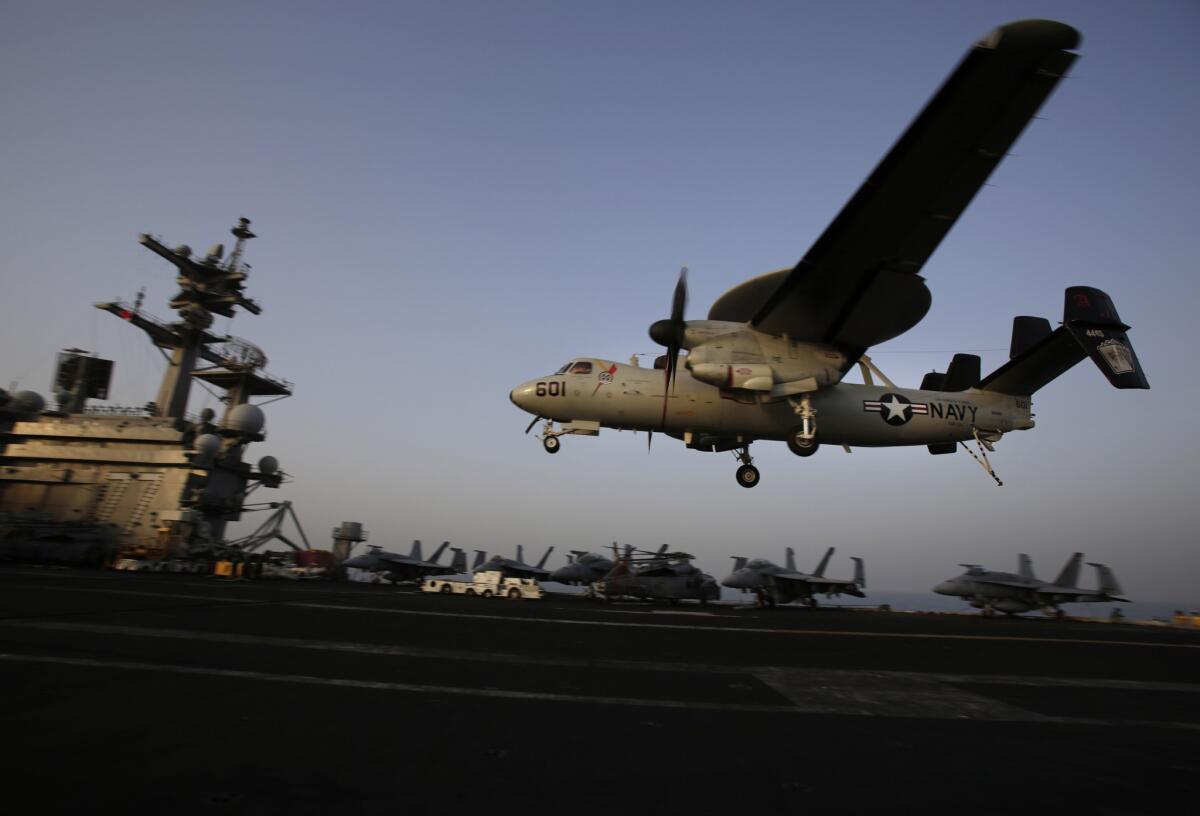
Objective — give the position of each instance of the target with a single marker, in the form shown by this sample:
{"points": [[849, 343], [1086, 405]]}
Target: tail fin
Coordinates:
{"points": [[860, 576], [459, 562], [791, 560], [542, 563], [520, 554], [739, 561], [1091, 327], [1108, 580], [415, 552], [820, 570], [480, 557], [1069, 576], [440, 550], [1025, 567]]}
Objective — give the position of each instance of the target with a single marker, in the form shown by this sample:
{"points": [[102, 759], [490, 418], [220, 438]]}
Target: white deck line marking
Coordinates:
{"points": [[165, 595], [745, 629], [838, 676], [422, 688], [808, 700]]}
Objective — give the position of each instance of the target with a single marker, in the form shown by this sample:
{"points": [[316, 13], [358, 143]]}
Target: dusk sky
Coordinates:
{"points": [[455, 197]]}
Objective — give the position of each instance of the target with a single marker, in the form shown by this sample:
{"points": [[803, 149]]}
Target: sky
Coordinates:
{"points": [[455, 197]]}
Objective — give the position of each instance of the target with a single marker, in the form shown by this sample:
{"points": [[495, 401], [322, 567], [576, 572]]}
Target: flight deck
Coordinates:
{"points": [[194, 694]]}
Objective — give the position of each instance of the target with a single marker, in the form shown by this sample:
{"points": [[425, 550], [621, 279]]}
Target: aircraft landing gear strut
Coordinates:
{"points": [[550, 437], [802, 439], [747, 474]]}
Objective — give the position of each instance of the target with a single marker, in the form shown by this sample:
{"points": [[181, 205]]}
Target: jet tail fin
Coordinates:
{"points": [[1025, 567], [1091, 328], [415, 552], [820, 570], [459, 562], [438, 553], [1107, 579], [480, 557], [542, 563], [1069, 576], [739, 561], [860, 575], [791, 559]]}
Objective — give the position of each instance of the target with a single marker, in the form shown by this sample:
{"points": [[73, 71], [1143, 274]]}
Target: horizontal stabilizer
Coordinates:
{"points": [[1090, 328]]}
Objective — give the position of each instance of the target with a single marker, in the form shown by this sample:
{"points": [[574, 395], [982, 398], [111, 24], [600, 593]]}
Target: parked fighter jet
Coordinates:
{"points": [[668, 576], [582, 568], [769, 362], [775, 584], [513, 568], [1013, 594], [412, 567]]}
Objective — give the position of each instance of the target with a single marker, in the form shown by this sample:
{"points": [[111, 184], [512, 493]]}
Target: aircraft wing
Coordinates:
{"points": [[814, 583], [859, 284]]}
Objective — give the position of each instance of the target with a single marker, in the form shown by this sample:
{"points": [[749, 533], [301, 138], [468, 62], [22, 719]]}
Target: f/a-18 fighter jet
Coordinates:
{"points": [[582, 568], [514, 568], [769, 361], [775, 584], [1012, 594], [412, 567]]}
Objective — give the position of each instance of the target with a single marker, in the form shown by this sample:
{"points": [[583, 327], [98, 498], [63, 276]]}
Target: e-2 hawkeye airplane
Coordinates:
{"points": [[769, 361]]}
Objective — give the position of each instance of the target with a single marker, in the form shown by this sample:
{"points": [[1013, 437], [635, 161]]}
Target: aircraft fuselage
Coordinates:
{"points": [[627, 397]]}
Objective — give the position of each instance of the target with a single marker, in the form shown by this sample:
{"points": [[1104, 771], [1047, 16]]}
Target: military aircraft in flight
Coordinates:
{"points": [[412, 567], [1012, 594], [513, 568], [769, 361], [582, 567], [775, 584]]}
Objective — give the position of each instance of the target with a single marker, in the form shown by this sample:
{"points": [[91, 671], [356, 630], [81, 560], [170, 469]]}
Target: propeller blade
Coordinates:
{"points": [[531, 424], [670, 333]]}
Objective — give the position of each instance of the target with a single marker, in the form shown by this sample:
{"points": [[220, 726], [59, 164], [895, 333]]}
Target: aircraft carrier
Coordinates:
{"points": [[182, 693]]}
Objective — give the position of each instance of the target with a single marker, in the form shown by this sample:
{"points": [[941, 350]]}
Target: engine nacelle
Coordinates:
{"points": [[750, 376]]}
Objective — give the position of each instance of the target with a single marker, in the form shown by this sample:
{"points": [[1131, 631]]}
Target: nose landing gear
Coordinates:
{"points": [[747, 474]]}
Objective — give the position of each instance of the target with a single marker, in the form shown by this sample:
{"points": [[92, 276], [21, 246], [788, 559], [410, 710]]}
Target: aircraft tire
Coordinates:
{"points": [[797, 445], [551, 444], [747, 476]]}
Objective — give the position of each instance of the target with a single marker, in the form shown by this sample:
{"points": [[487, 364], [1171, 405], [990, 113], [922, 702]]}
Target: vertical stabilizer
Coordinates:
{"points": [[860, 575], [438, 553], [739, 561], [791, 560], [480, 557], [1107, 579], [459, 562], [1025, 567], [520, 553], [415, 552], [820, 570], [542, 563], [1069, 576]]}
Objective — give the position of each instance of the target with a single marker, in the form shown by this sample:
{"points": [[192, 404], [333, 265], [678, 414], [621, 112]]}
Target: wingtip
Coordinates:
{"points": [[1032, 35]]}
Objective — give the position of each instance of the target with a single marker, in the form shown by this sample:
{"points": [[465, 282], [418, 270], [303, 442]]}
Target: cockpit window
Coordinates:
{"points": [[563, 370], [582, 367]]}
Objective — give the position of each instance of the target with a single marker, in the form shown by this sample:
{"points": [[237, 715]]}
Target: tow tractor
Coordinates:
{"points": [[486, 584]]}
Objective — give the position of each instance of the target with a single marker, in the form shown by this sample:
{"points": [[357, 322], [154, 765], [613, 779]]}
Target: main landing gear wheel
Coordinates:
{"points": [[800, 446], [747, 475], [551, 444]]}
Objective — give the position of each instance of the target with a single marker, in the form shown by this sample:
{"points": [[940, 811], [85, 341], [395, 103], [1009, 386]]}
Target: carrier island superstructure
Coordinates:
{"points": [[83, 483]]}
